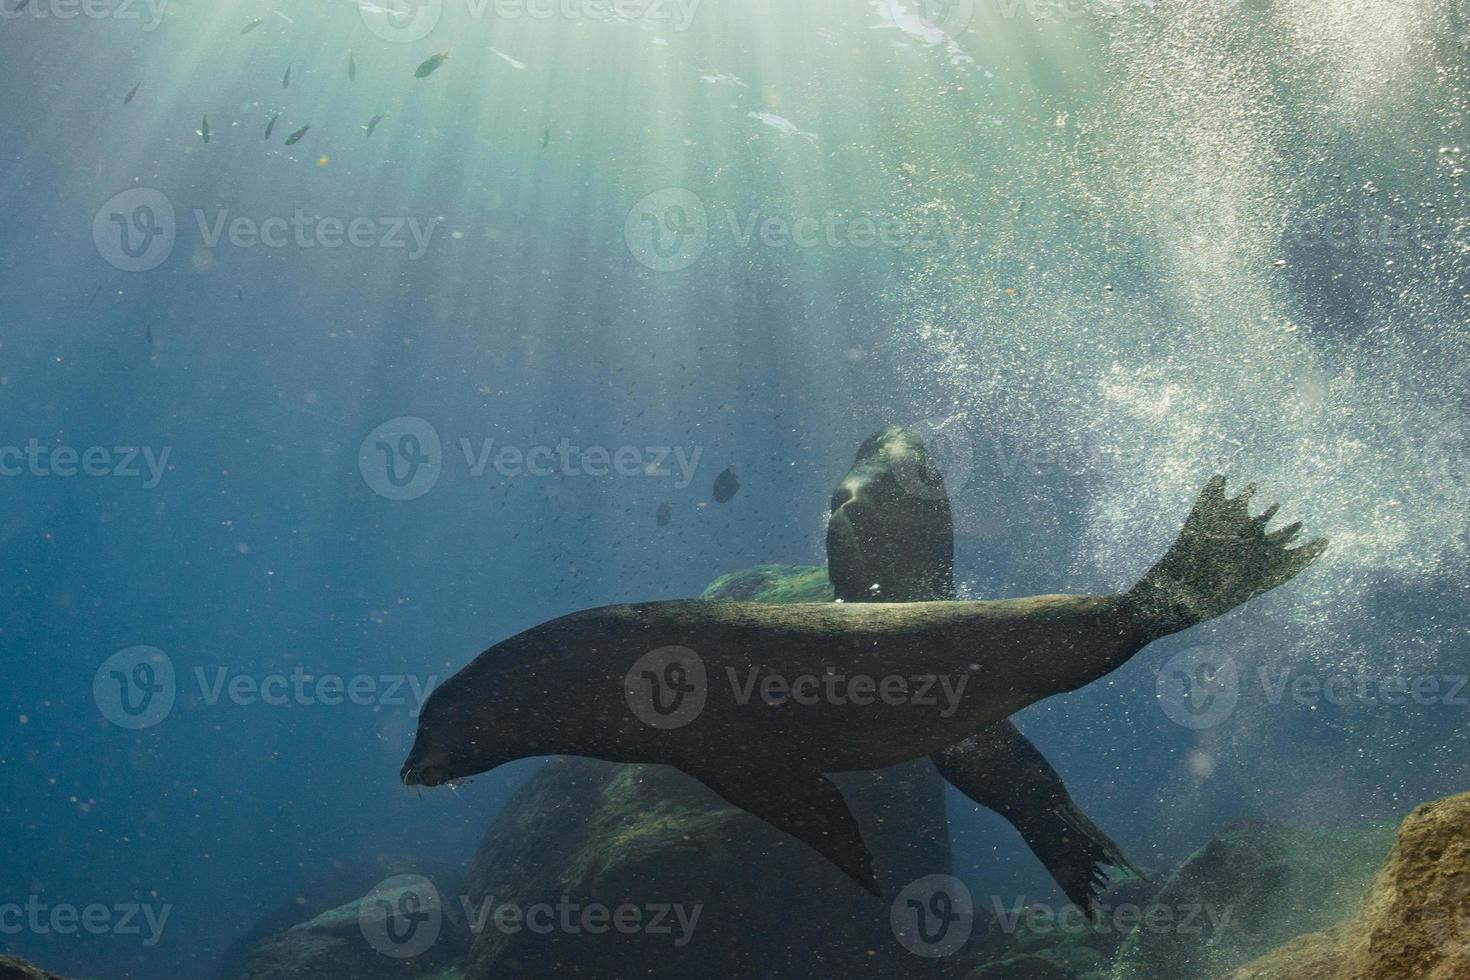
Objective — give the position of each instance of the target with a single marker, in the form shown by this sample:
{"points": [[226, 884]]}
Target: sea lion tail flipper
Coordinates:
{"points": [[1076, 852], [806, 805], [1222, 558], [1001, 769]]}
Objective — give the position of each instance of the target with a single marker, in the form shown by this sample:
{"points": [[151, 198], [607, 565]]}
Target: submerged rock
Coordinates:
{"points": [[1414, 923], [1023, 968], [336, 944], [643, 838], [342, 882], [14, 968], [1248, 890], [773, 583]]}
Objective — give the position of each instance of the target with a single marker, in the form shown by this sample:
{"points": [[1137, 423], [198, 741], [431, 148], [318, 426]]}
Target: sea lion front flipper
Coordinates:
{"points": [[806, 805], [999, 768]]}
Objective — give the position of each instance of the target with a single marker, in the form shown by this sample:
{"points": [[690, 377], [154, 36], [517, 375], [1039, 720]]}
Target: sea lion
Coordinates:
{"points": [[890, 538], [685, 684]]}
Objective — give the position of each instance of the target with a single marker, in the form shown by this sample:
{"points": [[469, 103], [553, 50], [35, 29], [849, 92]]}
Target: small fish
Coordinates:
{"points": [[127, 99], [727, 485], [432, 65], [286, 81], [722, 78], [373, 122], [250, 26], [240, 294], [351, 67], [203, 130], [295, 137], [270, 127], [517, 65], [545, 137], [665, 515], [782, 125], [91, 299], [148, 335]]}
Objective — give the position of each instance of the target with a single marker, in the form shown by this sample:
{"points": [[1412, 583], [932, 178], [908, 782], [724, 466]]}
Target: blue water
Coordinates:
{"points": [[1131, 288]]}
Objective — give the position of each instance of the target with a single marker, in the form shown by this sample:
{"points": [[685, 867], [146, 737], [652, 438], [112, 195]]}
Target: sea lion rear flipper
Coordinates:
{"points": [[806, 805], [999, 768], [1224, 556]]}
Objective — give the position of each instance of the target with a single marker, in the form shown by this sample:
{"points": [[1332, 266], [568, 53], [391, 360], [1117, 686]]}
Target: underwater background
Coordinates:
{"points": [[1094, 253]]}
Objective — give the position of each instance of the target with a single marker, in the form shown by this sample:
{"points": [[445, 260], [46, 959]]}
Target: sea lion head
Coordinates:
{"points": [[891, 535], [457, 737]]}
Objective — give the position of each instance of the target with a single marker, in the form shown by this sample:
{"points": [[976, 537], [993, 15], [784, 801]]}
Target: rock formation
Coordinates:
{"points": [[1414, 923]]}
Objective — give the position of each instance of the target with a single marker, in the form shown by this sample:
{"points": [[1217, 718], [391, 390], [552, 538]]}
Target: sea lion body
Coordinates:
{"points": [[949, 669], [891, 539], [576, 685]]}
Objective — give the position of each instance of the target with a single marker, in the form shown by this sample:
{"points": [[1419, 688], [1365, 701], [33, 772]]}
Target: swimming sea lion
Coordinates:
{"points": [[891, 539], [861, 686]]}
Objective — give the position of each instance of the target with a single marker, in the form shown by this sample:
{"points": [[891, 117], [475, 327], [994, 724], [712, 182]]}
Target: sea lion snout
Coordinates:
{"points": [[423, 769], [417, 776]]}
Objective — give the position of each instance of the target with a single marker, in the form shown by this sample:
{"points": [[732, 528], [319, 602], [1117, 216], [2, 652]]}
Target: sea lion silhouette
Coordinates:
{"points": [[691, 684], [888, 543]]}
